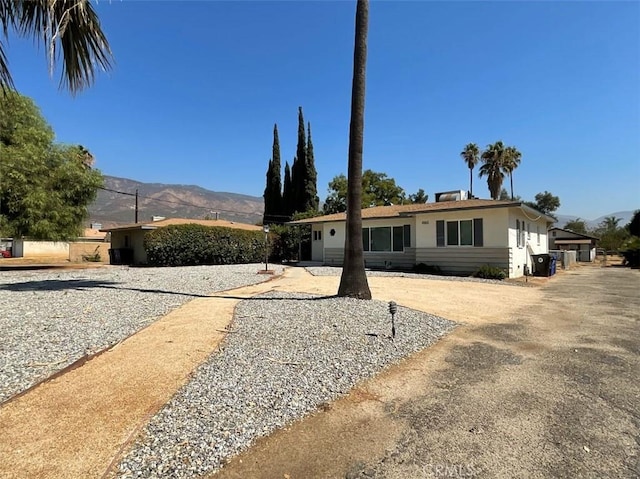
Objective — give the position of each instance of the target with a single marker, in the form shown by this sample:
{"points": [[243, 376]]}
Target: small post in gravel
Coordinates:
{"points": [[393, 309], [265, 228]]}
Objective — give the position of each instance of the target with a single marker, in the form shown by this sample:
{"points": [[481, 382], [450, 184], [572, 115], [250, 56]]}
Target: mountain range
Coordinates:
{"points": [[625, 218], [115, 203]]}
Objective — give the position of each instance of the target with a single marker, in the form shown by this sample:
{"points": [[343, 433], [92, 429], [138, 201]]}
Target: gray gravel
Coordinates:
{"points": [[287, 354], [337, 271], [48, 320]]}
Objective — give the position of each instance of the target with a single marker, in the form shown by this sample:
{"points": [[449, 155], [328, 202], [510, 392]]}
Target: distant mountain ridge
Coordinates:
{"points": [[172, 201], [591, 224]]}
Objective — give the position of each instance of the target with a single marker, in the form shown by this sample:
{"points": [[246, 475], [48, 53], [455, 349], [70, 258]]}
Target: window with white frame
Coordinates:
{"points": [[386, 238], [518, 240], [317, 235]]}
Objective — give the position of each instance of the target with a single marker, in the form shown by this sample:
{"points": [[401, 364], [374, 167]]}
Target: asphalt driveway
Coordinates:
{"points": [[551, 391]]}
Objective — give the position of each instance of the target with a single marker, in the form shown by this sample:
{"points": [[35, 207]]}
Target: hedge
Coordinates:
{"points": [[191, 244]]}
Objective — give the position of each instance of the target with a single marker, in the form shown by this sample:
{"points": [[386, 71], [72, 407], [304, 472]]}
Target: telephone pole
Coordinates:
{"points": [[136, 215]]}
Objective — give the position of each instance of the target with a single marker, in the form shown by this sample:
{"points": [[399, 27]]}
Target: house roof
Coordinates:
{"points": [[93, 234], [152, 225], [555, 228], [396, 211]]}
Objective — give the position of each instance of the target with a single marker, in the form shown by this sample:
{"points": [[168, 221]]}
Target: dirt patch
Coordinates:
{"points": [[488, 401]]}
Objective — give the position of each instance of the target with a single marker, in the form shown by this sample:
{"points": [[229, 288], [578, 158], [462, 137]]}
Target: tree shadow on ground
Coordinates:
{"points": [[87, 284]]}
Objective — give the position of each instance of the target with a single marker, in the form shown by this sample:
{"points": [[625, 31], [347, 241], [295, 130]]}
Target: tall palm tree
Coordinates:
{"points": [[512, 158], [492, 168], [70, 27], [353, 282], [471, 155]]}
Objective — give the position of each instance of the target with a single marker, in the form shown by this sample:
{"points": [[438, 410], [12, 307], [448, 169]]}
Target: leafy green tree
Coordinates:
{"points": [[70, 26], [577, 226], [471, 156], [273, 191], [418, 197], [377, 190], [493, 165], [612, 236], [511, 161], [353, 282], [45, 188], [545, 203]]}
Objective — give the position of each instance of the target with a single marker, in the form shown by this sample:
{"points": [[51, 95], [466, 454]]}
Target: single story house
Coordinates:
{"points": [[127, 242], [566, 240], [457, 236]]}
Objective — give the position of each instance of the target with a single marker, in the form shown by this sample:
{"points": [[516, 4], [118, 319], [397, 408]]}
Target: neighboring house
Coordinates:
{"points": [[457, 236], [127, 242], [567, 240]]}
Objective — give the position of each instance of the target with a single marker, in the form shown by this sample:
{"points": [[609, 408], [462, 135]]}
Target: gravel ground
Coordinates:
{"points": [[337, 271], [287, 354], [48, 320]]}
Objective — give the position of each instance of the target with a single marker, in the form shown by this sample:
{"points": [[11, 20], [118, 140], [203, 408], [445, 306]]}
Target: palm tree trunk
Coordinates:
{"points": [[511, 181], [471, 182], [353, 282]]}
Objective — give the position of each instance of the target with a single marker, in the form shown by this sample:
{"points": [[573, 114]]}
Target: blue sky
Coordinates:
{"points": [[197, 87]]}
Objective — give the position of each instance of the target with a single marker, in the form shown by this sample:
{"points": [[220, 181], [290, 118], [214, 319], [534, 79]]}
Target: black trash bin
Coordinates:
{"points": [[541, 264], [121, 256]]}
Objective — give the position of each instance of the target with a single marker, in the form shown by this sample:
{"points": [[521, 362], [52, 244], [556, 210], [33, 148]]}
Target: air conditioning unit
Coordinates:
{"points": [[455, 195]]}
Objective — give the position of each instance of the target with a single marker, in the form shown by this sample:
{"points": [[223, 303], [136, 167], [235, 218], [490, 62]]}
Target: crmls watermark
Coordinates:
{"points": [[451, 470]]}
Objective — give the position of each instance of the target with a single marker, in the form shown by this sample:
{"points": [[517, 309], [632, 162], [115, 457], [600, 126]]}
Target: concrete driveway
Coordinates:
{"points": [[549, 390]]}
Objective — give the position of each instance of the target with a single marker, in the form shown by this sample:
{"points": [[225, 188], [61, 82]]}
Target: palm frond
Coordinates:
{"points": [[72, 26]]}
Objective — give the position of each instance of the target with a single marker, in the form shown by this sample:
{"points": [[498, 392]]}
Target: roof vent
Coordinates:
{"points": [[455, 195]]}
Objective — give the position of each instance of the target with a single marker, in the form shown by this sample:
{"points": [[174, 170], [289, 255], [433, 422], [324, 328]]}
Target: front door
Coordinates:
{"points": [[317, 244]]}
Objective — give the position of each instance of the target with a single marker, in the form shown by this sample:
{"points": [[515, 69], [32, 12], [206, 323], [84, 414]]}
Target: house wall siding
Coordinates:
{"points": [[464, 260], [397, 260]]}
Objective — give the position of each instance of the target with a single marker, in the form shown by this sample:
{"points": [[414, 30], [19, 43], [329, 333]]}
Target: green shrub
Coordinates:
{"points": [[191, 244], [422, 268], [287, 240], [490, 272], [631, 252]]}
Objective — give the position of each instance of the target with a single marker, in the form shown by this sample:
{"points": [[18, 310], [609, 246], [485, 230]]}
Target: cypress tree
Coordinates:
{"points": [[273, 189], [287, 198], [299, 166], [310, 191]]}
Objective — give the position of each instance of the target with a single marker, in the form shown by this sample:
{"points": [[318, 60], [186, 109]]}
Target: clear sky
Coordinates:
{"points": [[197, 87]]}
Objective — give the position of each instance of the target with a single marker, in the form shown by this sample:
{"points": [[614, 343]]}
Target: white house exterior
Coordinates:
{"points": [[457, 236]]}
